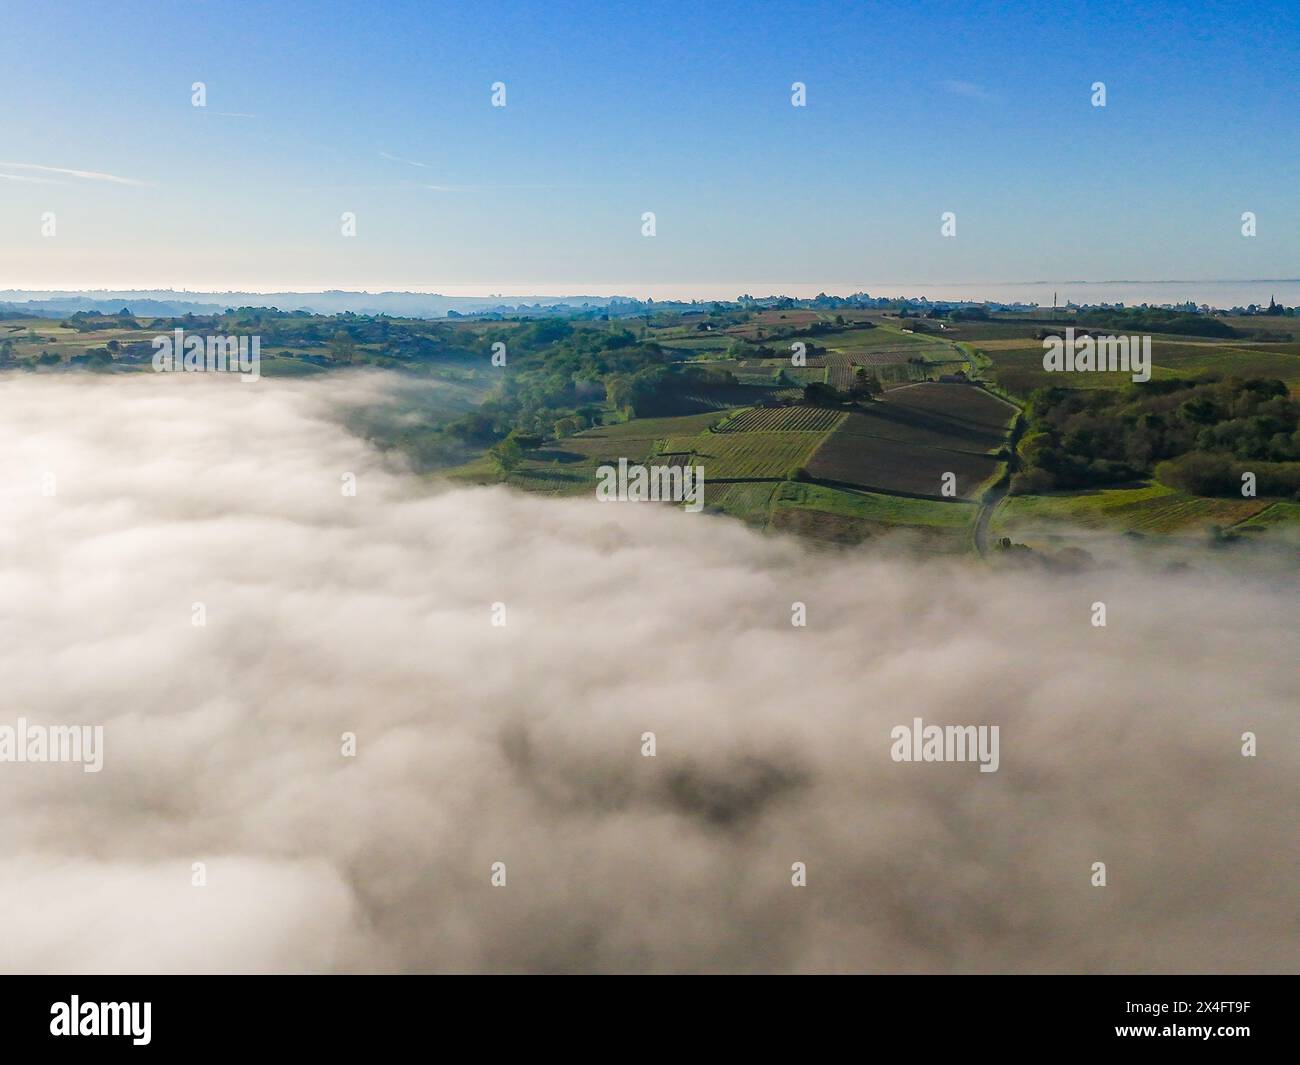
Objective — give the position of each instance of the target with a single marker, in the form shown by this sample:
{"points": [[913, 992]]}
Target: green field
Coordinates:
{"points": [[1150, 509], [840, 516], [1019, 369], [750, 501], [760, 455], [1283, 512]]}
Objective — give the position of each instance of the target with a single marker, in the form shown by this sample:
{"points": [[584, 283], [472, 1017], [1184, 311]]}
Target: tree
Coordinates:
{"points": [[618, 390], [526, 441], [865, 385], [342, 347], [820, 394], [507, 455], [473, 428]]}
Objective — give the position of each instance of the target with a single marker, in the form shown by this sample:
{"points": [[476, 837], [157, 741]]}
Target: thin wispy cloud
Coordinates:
{"points": [[84, 175], [408, 162], [968, 89], [30, 180]]}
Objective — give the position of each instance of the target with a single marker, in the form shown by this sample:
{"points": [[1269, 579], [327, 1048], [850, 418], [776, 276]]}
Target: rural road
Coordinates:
{"points": [[991, 499]]}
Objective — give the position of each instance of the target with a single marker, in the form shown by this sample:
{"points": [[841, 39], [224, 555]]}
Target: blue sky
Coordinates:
{"points": [[617, 109]]}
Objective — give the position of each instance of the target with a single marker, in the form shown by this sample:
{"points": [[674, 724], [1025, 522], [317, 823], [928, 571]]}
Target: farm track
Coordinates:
{"points": [[994, 496]]}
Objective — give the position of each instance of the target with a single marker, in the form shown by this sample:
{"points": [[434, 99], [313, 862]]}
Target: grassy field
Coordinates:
{"points": [[877, 507], [879, 339], [821, 513], [750, 501], [1283, 512], [634, 440], [1151, 509], [1018, 366], [1188, 359]]}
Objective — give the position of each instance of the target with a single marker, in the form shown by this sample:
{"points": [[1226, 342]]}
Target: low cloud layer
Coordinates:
{"points": [[521, 744]]}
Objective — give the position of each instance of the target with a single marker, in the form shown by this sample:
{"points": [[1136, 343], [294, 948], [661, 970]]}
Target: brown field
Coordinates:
{"points": [[766, 322], [885, 465], [908, 441], [895, 421], [962, 406], [988, 333]]}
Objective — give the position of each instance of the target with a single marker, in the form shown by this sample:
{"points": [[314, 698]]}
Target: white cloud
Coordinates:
{"points": [[30, 180], [521, 744], [84, 175]]}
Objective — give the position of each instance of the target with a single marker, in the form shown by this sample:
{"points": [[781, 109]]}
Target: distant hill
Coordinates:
{"points": [[167, 302]]}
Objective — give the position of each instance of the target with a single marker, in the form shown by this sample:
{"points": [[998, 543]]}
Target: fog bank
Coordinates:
{"points": [[521, 743]]}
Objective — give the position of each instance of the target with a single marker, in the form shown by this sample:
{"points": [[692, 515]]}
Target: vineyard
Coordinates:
{"points": [[782, 420], [737, 456], [751, 501], [911, 439], [958, 405], [917, 457], [840, 371]]}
